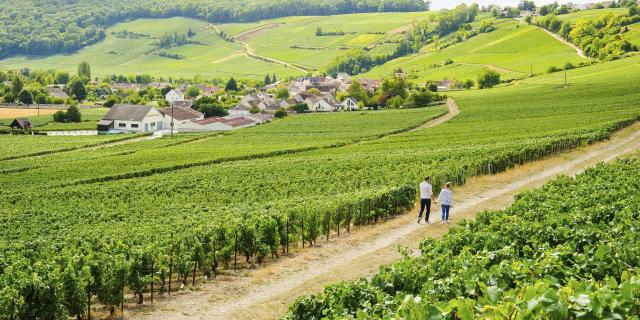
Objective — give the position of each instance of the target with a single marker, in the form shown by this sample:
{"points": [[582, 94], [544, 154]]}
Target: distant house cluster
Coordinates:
{"points": [[125, 118]]}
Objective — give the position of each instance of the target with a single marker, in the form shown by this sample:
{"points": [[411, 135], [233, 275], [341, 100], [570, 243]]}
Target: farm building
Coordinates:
{"points": [[21, 124], [57, 92], [219, 124], [132, 118], [180, 116]]}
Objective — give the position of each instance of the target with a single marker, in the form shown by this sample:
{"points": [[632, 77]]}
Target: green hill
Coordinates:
{"points": [[513, 49]]}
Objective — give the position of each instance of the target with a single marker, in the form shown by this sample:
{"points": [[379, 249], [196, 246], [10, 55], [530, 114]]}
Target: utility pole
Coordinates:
{"points": [[172, 115]]}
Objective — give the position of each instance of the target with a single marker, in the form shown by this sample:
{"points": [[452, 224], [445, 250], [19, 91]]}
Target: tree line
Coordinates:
{"points": [[49, 27]]}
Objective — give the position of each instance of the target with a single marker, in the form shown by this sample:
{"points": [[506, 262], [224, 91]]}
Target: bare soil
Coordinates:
{"points": [[266, 292], [7, 113]]}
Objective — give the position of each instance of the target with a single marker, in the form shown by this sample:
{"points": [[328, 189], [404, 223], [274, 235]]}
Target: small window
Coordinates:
{"points": [[134, 125], [122, 125], [153, 124]]}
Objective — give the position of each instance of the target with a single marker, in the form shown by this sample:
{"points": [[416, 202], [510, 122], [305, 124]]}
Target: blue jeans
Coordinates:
{"points": [[445, 212]]}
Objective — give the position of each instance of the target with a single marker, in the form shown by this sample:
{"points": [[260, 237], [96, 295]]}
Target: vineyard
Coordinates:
{"points": [[293, 134], [568, 250], [142, 219]]}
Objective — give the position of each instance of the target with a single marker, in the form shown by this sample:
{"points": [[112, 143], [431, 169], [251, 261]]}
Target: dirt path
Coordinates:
{"points": [[454, 110], [559, 38], [265, 293]]}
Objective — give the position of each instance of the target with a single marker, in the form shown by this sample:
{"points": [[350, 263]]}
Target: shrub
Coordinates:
{"points": [[488, 79], [281, 113]]}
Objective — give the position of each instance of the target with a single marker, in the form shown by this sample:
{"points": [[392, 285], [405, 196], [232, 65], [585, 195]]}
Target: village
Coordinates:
{"points": [[312, 94]]}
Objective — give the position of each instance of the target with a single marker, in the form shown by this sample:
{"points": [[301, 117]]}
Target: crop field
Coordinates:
{"points": [[513, 49], [134, 228], [10, 113], [208, 56], [563, 251], [288, 135]]}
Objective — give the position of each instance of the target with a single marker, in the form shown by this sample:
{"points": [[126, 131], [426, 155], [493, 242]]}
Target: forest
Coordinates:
{"points": [[46, 27]]}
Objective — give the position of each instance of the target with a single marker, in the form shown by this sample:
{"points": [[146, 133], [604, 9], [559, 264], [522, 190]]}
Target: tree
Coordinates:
{"points": [[267, 80], [319, 32], [526, 5], [633, 10], [61, 77], [528, 19], [281, 113], [488, 79], [84, 70], [421, 98], [190, 33], [468, 84], [77, 89], [357, 92], [25, 96], [111, 100], [232, 85], [213, 110], [273, 78], [16, 85], [282, 93], [300, 108], [192, 92], [73, 114]]}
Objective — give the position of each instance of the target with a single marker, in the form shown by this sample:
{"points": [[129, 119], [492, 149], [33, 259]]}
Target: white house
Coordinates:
{"points": [[319, 105], [174, 96], [180, 116], [349, 104], [132, 118]]}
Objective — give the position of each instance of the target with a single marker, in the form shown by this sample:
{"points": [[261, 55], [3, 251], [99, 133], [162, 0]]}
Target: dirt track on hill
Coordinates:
{"points": [[265, 293]]}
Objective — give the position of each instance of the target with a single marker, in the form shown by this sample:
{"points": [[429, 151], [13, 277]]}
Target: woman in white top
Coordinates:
{"points": [[446, 200]]}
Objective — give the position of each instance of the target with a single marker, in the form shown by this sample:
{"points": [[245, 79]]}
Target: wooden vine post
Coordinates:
{"points": [[235, 252]]}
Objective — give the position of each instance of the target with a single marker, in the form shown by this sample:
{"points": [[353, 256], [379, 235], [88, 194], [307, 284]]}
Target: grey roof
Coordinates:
{"points": [[128, 112]]}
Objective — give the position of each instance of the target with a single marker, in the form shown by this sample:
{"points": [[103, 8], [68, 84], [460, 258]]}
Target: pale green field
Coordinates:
{"points": [[513, 49], [634, 34], [590, 14], [273, 38], [213, 58]]}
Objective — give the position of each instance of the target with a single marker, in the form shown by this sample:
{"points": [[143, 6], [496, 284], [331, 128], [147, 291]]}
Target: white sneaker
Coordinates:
{"points": [[418, 220], [442, 221], [447, 221], [427, 222]]}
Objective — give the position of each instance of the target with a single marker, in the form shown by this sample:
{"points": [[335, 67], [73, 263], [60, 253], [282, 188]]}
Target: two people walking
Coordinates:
{"points": [[426, 194]]}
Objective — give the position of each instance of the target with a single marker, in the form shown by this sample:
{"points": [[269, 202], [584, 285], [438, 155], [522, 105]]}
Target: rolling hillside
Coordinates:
{"points": [[513, 49], [210, 56]]}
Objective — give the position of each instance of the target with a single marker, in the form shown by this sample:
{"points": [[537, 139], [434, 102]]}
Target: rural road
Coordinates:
{"points": [[266, 292]]}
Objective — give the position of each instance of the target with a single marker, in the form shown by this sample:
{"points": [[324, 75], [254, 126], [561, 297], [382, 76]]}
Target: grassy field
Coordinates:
{"points": [[634, 34], [210, 57], [275, 38], [513, 49], [590, 14]]}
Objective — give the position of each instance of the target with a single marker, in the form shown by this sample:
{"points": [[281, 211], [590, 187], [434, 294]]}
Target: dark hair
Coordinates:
{"points": [[427, 178]]}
